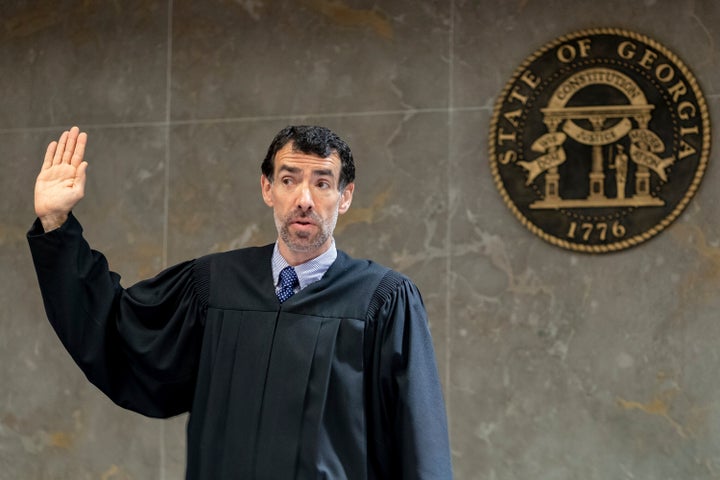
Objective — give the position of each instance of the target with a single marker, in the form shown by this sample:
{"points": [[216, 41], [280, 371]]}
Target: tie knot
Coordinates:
{"points": [[288, 282]]}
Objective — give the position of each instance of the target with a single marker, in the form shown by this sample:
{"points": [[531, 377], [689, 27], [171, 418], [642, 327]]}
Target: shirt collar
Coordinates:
{"points": [[308, 272]]}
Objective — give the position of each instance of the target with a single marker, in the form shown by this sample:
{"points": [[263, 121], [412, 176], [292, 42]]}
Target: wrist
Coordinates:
{"points": [[52, 222]]}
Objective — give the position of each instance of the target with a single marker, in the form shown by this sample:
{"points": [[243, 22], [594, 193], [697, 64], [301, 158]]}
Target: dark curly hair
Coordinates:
{"points": [[312, 139]]}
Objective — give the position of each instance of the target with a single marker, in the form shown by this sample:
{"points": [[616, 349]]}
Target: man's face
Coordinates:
{"points": [[306, 202]]}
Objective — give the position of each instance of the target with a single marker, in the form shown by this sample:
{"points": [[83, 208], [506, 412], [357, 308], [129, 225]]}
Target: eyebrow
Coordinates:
{"points": [[289, 169], [320, 172]]}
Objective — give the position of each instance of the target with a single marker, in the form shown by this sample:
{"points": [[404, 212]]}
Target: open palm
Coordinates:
{"points": [[60, 185]]}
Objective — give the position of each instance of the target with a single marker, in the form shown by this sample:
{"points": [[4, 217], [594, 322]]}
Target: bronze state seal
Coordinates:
{"points": [[599, 140]]}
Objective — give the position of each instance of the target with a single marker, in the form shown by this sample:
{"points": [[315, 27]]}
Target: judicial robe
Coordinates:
{"points": [[337, 382]]}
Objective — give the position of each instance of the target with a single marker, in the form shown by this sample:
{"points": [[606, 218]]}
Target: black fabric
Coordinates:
{"points": [[339, 381]]}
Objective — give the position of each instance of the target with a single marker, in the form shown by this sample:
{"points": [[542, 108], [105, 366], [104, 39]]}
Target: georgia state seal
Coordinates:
{"points": [[599, 140]]}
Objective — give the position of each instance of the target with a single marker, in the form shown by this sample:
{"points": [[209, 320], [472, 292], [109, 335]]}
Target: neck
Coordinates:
{"points": [[295, 258]]}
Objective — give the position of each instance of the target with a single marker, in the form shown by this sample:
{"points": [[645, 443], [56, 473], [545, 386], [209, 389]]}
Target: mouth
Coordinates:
{"points": [[303, 223], [303, 220]]}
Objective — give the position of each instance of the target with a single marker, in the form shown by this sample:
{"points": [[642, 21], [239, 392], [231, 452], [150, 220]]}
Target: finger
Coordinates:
{"points": [[70, 145], [49, 154], [57, 158], [79, 152]]}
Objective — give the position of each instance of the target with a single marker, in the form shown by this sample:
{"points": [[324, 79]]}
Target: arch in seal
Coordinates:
{"points": [[557, 116]]}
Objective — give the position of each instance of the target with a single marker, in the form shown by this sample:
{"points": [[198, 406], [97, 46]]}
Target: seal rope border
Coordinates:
{"points": [[690, 192]]}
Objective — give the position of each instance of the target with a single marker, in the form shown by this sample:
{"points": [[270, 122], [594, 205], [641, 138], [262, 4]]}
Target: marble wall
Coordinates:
{"points": [[555, 365]]}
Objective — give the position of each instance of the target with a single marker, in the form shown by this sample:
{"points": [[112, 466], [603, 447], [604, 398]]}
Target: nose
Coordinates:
{"points": [[305, 199]]}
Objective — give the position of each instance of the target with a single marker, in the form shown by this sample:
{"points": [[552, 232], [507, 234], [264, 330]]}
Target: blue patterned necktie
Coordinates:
{"points": [[288, 282]]}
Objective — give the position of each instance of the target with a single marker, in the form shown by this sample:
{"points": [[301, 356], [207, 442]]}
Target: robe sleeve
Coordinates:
{"points": [[409, 427], [139, 346]]}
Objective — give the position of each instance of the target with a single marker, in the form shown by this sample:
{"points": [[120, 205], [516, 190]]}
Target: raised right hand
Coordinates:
{"points": [[60, 185]]}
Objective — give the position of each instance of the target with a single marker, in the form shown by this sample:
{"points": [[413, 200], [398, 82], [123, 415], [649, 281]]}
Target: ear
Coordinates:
{"points": [[346, 198], [266, 187]]}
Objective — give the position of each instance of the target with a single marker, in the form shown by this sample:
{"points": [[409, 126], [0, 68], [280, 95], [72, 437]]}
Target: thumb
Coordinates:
{"points": [[80, 177]]}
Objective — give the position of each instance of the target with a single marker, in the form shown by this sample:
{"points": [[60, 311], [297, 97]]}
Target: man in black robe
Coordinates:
{"points": [[294, 360]]}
